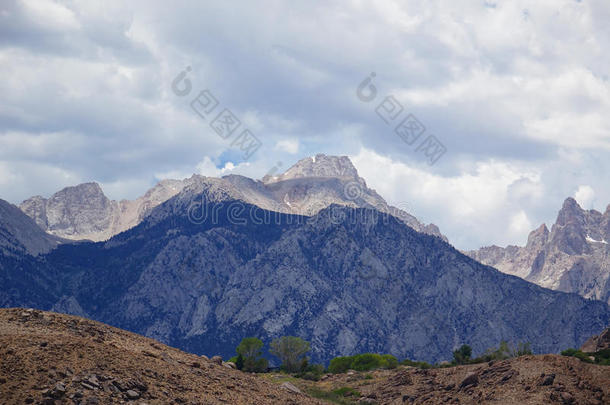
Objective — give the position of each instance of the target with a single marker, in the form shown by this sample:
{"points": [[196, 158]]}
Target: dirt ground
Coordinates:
{"points": [[48, 358]]}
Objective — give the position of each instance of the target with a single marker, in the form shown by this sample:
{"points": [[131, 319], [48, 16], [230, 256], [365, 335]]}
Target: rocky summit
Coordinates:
{"points": [[312, 184], [574, 256], [84, 212]]}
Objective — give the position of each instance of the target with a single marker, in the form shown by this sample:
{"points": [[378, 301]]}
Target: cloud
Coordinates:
{"points": [[585, 196], [208, 168], [288, 145], [517, 92], [463, 204]]}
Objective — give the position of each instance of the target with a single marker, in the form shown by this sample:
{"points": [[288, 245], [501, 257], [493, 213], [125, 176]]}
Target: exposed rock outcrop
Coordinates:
{"points": [[573, 257], [597, 342], [84, 212]]}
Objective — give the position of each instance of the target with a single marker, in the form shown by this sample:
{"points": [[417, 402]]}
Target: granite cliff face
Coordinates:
{"points": [[19, 234], [312, 184], [573, 257], [84, 212], [349, 280]]}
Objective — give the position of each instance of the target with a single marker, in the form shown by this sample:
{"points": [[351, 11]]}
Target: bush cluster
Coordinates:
{"points": [[602, 357], [311, 372], [362, 362], [418, 364], [504, 351], [291, 351]]}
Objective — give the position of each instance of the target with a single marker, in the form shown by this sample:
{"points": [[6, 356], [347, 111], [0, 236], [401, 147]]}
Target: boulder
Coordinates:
{"points": [[217, 360], [290, 387], [131, 394], [471, 379], [547, 379], [58, 391], [597, 342]]}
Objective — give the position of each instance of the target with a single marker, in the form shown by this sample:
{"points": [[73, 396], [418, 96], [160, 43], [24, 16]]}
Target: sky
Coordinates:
{"points": [[516, 94]]}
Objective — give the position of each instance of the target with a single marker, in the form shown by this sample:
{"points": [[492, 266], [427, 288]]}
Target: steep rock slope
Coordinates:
{"points": [[20, 235], [597, 342], [51, 358], [312, 184], [348, 280], [573, 257]]}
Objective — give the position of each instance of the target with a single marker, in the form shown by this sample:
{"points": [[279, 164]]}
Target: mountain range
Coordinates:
{"points": [[209, 266], [573, 257], [313, 183]]}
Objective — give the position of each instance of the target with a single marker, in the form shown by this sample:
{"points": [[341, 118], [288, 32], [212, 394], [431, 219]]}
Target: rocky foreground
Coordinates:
{"points": [[542, 379], [48, 358]]}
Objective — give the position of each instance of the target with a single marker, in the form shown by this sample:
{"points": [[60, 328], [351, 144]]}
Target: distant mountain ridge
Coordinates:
{"points": [[348, 280], [574, 256], [84, 212], [325, 258], [312, 184]]}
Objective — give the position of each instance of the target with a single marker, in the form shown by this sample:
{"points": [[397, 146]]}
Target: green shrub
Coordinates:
{"points": [[362, 362], [601, 357], [390, 361], [239, 362], [312, 372], [340, 364], [328, 396], [346, 392], [523, 349], [260, 365], [418, 364], [309, 376], [504, 351], [462, 355], [578, 354], [317, 368], [367, 361]]}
